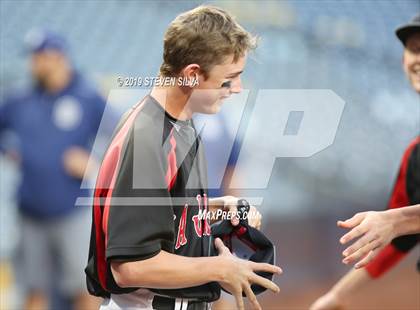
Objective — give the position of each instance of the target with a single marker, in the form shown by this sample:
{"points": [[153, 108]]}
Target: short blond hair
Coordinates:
{"points": [[205, 35]]}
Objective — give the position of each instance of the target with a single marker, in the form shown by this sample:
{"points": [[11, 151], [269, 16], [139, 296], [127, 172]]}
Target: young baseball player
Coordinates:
{"points": [[406, 192], [149, 246]]}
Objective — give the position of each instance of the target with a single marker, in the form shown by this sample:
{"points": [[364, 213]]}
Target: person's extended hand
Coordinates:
{"points": [[231, 205], [239, 274], [375, 230]]}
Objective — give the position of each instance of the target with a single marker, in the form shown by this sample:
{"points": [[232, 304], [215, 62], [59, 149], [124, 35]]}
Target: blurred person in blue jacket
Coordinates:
{"points": [[56, 122]]}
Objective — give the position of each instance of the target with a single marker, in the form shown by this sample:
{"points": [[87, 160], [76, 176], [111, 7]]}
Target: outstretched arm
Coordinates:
{"points": [[233, 274], [335, 298], [375, 230]]}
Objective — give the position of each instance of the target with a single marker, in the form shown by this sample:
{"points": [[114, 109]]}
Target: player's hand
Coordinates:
{"points": [[254, 219], [75, 161], [374, 231], [239, 274], [231, 205], [328, 301]]}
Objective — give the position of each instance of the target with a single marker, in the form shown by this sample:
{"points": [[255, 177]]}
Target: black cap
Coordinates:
{"points": [[245, 242], [403, 32]]}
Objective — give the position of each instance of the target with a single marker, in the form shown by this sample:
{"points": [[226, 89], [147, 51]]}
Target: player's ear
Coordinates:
{"points": [[191, 72]]}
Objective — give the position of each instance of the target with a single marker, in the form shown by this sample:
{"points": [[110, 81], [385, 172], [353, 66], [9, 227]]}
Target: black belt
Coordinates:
{"points": [[164, 303]]}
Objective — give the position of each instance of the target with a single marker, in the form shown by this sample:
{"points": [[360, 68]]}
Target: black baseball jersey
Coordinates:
{"points": [[149, 195]]}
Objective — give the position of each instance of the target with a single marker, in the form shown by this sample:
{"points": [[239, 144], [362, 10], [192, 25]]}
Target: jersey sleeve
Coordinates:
{"points": [[405, 193], [413, 175], [140, 219]]}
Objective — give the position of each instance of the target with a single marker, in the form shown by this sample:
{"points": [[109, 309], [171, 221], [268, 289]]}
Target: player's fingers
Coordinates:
{"points": [[354, 233], [368, 258], [352, 222], [254, 218], [265, 267], [359, 254], [357, 245], [239, 300], [258, 225], [251, 297], [254, 221], [233, 212], [264, 282], [234, 220], [220, 247]]}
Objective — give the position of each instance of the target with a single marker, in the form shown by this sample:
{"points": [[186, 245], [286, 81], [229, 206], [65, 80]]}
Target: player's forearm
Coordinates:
{"points": [[168, 271], [407, 220], [350, 282]]}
